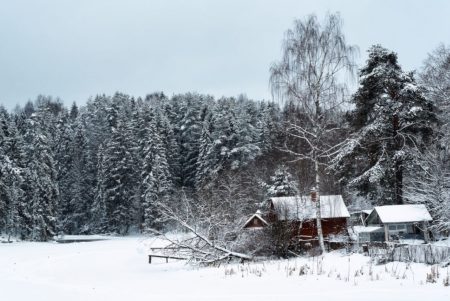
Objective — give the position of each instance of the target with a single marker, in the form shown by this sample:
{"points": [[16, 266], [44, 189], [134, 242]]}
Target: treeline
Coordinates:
{"points": [[103, 167]]}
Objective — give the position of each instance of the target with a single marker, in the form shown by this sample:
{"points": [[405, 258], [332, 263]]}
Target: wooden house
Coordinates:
{"points": [[300, 212], [397, 221]]}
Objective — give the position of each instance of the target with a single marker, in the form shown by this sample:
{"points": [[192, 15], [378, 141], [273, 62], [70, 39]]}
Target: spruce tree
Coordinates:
{"points": [[282, 183], [206, 160], [188, 137], [156, 176], [42, 192], [98, 211]]}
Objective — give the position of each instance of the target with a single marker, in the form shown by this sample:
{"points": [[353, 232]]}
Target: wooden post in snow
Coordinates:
{"points": [[426, 234], [386, 232]]}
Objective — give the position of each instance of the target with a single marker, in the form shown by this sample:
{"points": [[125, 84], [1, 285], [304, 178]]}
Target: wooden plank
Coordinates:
{"points": [[68, 241], [167, 248], [164, 256]]}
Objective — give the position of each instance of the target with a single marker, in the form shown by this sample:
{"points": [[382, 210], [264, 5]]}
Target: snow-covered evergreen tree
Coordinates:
{"points": [[77, 198], [98, 211], [269, 124], [6, 168], [156, 176], [189, 135], [206, 160], [248, 144], [282, 183], [392, 120], [40, 183], [118, 170], [117, 181]]}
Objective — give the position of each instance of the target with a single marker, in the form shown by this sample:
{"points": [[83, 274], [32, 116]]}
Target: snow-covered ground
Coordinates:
{"points": [[117, 269]]}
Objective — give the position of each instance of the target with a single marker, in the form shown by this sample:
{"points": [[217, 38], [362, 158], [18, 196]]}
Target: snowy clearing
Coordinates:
{"points": [[117, 269]]}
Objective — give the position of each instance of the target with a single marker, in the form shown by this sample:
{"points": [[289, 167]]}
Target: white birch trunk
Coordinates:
{"points": [[318, 212]]}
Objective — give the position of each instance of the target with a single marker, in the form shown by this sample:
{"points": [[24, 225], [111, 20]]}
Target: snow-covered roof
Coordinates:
{"points": [[403, 213], [302, 208], [361, 229], [361, 211], [258, 216]]}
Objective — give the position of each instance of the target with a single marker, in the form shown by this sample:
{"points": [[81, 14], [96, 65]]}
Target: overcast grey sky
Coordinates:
{"points": [[79, 48]]}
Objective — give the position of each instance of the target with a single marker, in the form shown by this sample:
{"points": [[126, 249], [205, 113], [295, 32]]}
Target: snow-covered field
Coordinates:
{"points": [[117, 269]]}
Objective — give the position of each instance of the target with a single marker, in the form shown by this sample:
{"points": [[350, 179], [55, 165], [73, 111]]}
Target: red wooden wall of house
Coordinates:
{"points": [[308, 229]]}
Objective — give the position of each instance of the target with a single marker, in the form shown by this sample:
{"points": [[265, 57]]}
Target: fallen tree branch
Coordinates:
{"points": [[198, 247]]}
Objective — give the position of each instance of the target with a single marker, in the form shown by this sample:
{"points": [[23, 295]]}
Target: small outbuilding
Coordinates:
{"points": [[358, 217], [256, 221], [401, 221], [363, 234]]}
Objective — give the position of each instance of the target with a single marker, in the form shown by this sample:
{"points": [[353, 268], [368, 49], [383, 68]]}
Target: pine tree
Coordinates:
{"points": [[392, 119]]}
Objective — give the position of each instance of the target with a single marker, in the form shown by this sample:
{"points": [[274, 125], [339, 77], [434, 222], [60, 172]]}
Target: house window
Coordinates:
{"points": [[400, 228], [364, 237]]}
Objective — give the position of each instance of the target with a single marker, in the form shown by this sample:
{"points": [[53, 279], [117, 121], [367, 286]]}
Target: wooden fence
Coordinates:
{"points": [[429, 254]]}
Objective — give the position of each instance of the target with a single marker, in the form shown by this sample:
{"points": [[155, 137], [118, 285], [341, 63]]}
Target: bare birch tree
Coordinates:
{"points": [[312, 75], [435, 76], [430, 185]]}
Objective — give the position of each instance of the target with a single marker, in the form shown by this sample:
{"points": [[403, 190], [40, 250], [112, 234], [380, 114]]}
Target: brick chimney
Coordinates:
{"points": [[313, 194]]}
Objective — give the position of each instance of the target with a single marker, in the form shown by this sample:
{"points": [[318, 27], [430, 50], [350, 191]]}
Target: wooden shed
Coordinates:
{"points": [[256, 221], [401, 221]]}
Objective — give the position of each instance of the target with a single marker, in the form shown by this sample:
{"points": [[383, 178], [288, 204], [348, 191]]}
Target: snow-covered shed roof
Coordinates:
{"points": [[302, 208], [368, 229], [258, 216], [359, 211], [367, 211], [402, 213]]}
